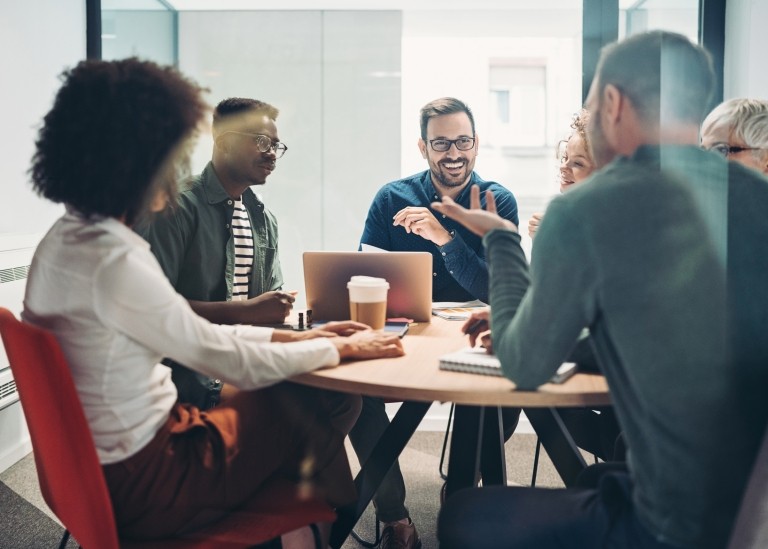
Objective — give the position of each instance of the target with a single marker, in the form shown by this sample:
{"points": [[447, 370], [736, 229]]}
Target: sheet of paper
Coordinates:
{"points": [[453, 310], [369, 248], [475, 304]]}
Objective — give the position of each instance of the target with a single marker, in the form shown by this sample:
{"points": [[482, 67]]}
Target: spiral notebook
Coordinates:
{"points": [[475, 360]]}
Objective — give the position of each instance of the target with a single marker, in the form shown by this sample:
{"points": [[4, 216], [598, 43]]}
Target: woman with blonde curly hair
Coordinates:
{"points": [[576, 163]]}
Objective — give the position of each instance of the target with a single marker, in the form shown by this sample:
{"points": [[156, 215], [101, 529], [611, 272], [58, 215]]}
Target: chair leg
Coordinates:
{"points": [[443, 475], [366, 543], [64, 539], [316, 536], [272, 544], [536, 462]]}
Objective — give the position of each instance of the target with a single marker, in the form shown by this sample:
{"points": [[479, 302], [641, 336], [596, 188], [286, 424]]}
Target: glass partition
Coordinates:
{"points": [[138, 28], [349, 84], [636, 16]]}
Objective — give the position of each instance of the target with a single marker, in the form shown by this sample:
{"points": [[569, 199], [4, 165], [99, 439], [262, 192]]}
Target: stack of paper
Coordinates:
{"points": [[454, 310]]}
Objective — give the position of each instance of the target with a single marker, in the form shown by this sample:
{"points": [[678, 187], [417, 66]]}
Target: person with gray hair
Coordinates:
{"points": [[738, 130], [658, 254]]}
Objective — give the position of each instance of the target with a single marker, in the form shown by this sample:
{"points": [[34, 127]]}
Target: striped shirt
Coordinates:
{"points": [[241, 230]]}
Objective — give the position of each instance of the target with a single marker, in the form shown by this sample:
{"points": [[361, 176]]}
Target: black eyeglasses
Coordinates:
{"points": [[264, 143], [726, 150], [442, 145]]}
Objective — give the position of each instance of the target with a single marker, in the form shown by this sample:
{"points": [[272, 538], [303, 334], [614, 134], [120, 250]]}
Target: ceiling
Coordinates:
{"points": [[248, 5], [406, 5]]}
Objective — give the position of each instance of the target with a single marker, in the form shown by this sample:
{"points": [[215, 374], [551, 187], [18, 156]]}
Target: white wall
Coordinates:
{"points": [[37, 41], [746, 48]]}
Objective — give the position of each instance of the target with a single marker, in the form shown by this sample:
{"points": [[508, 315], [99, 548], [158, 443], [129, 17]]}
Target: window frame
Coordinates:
{"points": [[600, 26]]}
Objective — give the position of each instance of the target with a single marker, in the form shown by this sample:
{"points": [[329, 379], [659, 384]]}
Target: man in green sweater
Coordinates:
{"points": [[661, 254]]}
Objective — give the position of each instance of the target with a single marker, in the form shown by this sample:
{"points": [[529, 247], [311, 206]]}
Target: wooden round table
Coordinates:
{"points": [[477, 446], [416, 376]]}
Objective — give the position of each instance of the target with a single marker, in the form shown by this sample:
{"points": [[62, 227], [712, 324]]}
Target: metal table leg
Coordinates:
{"points": [[372, 472]]}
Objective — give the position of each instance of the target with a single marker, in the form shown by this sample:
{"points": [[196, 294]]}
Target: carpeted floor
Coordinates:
{"points": [[419, 463], [25, 522], [24, 526]]}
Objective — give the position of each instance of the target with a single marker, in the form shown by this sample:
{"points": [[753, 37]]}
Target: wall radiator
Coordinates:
{"points": [[15, 256]]}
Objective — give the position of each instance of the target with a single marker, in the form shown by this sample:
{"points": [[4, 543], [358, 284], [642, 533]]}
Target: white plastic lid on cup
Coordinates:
{"points": [[367, 289]]}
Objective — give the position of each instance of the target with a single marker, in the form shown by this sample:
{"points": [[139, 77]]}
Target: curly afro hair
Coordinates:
{"points": [[104, 147]]}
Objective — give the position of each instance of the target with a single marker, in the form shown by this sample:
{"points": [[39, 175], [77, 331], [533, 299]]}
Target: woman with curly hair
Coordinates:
{"points": [[111, 150], [576, 163]]}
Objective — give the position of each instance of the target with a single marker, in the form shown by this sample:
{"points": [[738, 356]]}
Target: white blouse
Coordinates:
{"points": [[99, 289]]}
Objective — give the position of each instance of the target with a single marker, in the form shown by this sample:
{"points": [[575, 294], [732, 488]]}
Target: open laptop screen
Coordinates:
{"points": [[409, 275]]}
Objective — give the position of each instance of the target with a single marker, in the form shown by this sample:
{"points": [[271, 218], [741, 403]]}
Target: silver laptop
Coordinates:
{"points": [[409, 275]]}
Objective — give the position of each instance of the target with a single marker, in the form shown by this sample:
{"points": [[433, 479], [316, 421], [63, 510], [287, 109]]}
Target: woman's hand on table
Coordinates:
{"points": [[336, 328], [478, 326], [369, 344], [330, 329], [352, 339]]}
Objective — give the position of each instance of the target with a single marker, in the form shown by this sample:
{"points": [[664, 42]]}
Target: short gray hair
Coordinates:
{"points": [[664, 75], [746, 120]]}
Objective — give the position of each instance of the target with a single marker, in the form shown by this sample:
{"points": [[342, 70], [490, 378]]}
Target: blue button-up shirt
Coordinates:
{"points": [[459, 268]]}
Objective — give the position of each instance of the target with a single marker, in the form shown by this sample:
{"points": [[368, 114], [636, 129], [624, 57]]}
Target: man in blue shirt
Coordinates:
{"points": [[400, 219]]}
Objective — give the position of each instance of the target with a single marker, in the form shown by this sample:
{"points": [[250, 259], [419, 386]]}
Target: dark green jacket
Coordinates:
{"points": [[195, 246]]}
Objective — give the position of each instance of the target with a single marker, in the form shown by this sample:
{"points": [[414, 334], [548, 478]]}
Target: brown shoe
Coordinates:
{"points": [[397, 535]]}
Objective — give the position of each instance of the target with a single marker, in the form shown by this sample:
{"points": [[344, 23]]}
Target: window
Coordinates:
{"points": [[138, 28], [518, 103], [636, 16], [352, 121]]}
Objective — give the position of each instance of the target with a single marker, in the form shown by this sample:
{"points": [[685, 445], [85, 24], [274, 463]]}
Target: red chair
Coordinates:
{"points": [[750, 530], [70, 476]]}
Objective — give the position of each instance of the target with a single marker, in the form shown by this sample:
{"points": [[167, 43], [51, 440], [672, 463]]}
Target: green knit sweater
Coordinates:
{"points": [[638, 254]]}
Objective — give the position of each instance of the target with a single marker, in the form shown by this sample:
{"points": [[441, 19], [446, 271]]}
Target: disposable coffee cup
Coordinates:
{"points": [[368, 300]]}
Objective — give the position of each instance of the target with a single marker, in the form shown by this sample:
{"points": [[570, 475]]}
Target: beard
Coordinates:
{"points": [[442, 178], [444, 181], [602, 152]]}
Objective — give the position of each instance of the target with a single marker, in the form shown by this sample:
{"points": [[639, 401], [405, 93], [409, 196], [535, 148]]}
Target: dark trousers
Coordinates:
{"points": [[501, 517], [389, 499], [595, 430], [201, 465]]}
